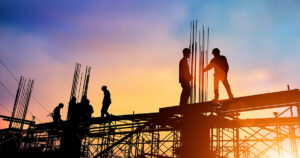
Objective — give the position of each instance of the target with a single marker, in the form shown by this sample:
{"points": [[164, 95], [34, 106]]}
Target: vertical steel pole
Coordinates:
{"points": [[202, 61], [192, 62], [293, 137], [28, 95], [190, 47], [195, 65], [200, 70], [16, 102], [78, 98], [207, 49]]}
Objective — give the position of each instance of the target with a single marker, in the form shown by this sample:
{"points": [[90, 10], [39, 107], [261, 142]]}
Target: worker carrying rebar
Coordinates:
{"points": [[56, 113], [221, 67], [106, 101], [185, 76]]}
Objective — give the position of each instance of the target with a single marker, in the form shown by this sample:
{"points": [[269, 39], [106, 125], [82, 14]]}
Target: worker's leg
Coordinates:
{"points": [[185, 94], [182, 96], [186, 89], [102, 111], [107, 114], [227, 87], [216, 88], [55, 120]]}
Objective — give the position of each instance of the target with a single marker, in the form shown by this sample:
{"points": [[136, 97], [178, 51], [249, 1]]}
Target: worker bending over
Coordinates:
{"points": [[56, 113]]}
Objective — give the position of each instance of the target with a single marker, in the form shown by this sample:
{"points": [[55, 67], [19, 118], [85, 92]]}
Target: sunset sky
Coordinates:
{"points": [[134, 48]]}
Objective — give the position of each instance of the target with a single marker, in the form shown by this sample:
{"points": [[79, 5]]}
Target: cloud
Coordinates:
{"points": [[133, 54], [134, 48]]}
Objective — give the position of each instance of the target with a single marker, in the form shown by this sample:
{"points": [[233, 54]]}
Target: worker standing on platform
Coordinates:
{"points": [[185, 76], [56, 113], [106, 101], [90, 110], [82, 107], [72, 111], [221, 67]]}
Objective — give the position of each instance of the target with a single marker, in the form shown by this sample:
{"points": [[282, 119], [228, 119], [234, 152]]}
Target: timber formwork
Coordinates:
{"points": [[194, 130]]}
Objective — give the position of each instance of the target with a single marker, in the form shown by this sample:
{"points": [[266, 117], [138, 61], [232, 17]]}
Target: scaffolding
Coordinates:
{"points": [[201, 129]]}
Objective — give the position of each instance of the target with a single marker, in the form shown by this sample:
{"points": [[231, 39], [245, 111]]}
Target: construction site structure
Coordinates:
{"points": [[200, 129], [195, 130], [10, 137]]}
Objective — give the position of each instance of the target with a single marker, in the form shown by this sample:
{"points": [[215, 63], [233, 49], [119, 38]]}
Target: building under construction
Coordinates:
{"points": [[199, 129]]}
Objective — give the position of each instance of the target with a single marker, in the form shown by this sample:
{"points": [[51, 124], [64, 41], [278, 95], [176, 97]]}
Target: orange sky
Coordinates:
{"points": [[135, 49]]}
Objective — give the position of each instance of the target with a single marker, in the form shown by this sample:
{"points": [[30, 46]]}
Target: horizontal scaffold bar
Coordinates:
{"points": [[241, 104]]}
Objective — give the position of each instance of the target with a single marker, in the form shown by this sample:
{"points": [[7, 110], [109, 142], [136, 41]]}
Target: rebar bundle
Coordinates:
{"points": [[21, 102], [199, 45]]}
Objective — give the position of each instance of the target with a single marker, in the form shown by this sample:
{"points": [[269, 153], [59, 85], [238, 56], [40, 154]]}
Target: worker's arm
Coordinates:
{"points": [[209, 66]]}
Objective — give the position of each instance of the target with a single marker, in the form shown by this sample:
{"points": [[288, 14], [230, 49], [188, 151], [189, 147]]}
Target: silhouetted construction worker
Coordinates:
{"points": [[87, 110], [221, 67], [82, 107], [56, 113], [72, 111], [106, 101], [90, 109], [185, 77]]}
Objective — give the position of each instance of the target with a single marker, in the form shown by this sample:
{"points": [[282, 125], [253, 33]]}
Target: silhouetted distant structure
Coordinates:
{"points": [[106, 101], [185, 76], [56, 113], [221, 67]]}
